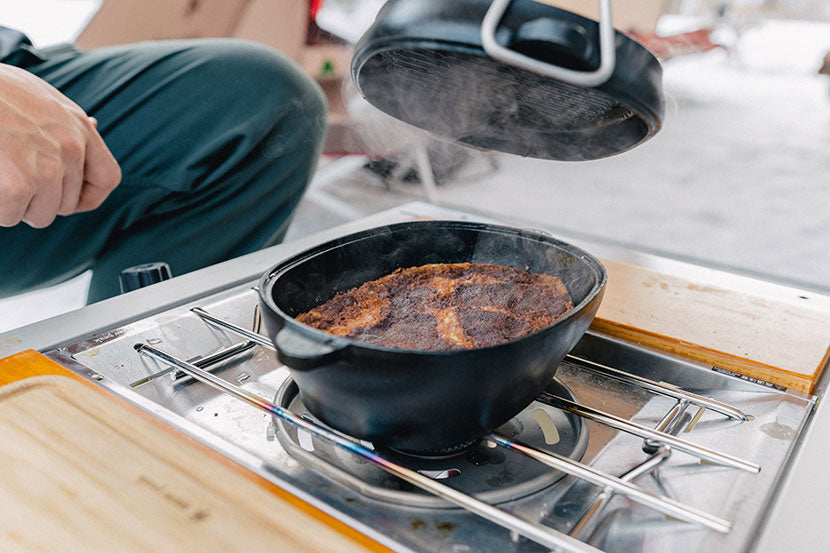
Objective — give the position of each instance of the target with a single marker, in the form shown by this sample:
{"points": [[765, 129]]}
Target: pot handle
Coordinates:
{"points": [[579, 78], [302, 353]]}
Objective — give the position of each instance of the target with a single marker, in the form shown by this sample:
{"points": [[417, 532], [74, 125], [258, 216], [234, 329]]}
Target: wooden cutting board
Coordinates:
{"points": [[761, 336], [82, 471]]}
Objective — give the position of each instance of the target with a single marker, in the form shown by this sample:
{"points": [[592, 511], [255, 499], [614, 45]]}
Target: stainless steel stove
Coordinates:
{"points": [[629, 449]]}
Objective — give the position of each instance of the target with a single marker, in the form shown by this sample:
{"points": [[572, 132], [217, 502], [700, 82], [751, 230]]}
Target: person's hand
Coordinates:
{"points": [[52, 159]]}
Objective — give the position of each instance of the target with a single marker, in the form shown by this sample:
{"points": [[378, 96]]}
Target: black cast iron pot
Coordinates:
{"points": [[417, 400]]}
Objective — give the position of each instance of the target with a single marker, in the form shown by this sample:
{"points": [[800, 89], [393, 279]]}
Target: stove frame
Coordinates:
{"points": [[783, 507], [177, 355], [536, 532]]}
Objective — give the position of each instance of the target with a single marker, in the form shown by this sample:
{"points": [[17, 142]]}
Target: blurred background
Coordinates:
{"points": [[737, 179]]}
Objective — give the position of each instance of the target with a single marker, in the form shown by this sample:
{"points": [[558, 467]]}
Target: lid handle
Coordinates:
{"points": [[554, 39], [579, 78]]}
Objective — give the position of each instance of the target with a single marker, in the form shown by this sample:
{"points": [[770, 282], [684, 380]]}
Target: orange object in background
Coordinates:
{"points": [[665, 47], [314, 7]]}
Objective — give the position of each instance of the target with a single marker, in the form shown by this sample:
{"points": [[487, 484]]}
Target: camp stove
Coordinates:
{"points": [[628, 449]]}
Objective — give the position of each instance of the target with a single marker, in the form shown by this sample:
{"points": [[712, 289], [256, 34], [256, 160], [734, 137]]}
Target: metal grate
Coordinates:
{"points": [[658, 441]]}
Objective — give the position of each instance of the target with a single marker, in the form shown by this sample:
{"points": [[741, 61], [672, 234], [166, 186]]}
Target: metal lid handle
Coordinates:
{"points": [[580, 78]]}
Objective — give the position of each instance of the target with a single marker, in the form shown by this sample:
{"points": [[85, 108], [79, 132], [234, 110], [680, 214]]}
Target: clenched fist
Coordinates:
{"points": [[52, 159]]}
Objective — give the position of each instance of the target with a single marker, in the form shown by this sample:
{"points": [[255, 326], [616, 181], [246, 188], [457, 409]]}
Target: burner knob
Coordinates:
{"points": [[140, 276]]}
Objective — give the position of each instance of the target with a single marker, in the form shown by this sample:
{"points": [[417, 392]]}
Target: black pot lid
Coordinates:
{"points": [[422, 62]]}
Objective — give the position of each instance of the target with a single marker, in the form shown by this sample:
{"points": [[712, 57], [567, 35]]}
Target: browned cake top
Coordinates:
{"points": [[444, 306]]}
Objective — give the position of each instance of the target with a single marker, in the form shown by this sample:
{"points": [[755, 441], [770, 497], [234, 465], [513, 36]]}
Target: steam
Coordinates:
{"points": [[463, 97], [382, 136], [335, 269]]}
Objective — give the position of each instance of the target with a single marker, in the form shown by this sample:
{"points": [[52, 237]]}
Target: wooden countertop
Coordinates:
{"points": [[85, 471], [786, 342]]}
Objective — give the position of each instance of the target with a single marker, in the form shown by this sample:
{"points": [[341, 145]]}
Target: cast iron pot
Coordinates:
{"points": [[417, 400]]}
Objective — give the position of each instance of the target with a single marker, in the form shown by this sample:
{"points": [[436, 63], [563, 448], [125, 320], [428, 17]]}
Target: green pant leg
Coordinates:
{"points": [[217, 139]]}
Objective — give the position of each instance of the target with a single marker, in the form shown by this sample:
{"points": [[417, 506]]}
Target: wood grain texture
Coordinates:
{"points": [[30, 363], [776, 341], [81, 472]]}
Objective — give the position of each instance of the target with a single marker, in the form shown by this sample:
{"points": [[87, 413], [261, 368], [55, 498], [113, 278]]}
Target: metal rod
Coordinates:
{"points": [[656, 387], [205, 362], [255, 327], [663, 504], [649, 465], [536, 532], [252, 336], [644, 432], [672, 415], [695, 420], [676, 393], [574, 468], [670, 418]]}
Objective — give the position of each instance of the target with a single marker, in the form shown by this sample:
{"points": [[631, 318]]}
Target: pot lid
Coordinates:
{"points": [[423, 62]]}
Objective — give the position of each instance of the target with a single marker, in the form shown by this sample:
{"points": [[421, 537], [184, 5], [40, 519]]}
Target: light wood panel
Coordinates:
{"points": [[762, 337], [627, 15], [81, 472]]}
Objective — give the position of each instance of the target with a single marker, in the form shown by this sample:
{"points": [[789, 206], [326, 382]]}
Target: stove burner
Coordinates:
{"points": [[437, 454], [479, 468]]}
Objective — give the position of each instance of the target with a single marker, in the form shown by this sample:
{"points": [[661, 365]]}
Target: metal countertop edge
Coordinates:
{"points": [[800, 508]]}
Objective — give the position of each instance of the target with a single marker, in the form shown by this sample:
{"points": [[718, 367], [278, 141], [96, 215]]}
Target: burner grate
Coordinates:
{"points": [[546, 536], [437, 454], [482, 470]]}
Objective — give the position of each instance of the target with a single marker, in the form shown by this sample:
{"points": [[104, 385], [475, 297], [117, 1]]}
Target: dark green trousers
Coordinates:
{"points": [[217, 139]]}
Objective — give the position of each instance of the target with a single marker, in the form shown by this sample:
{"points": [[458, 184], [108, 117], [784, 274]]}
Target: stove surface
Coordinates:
{"points": [[407, 520]]}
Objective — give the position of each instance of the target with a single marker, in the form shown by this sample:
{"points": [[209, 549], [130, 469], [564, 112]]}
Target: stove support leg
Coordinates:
{"points": [[586, 525]]}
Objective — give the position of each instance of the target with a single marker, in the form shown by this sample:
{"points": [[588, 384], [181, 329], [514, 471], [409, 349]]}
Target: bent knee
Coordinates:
{"points": [[254, 79]]}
